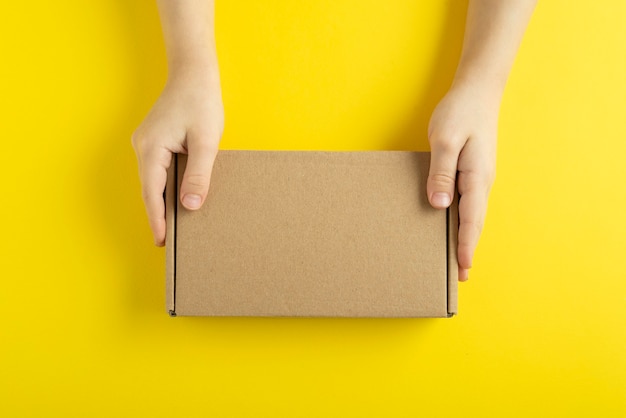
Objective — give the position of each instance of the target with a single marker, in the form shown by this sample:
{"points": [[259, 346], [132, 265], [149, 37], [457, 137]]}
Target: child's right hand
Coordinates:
{"points": [[187, 118]]}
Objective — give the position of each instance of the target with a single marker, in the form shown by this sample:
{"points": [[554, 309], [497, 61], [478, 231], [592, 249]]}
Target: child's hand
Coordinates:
{"points": [[462, 135], [187, 118], [463, 127]]}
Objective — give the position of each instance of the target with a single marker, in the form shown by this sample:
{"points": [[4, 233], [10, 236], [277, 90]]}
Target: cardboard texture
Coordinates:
{"points": [[311, 233]]}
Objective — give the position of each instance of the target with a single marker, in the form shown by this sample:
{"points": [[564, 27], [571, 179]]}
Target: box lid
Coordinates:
{"points": [[312, 233]]}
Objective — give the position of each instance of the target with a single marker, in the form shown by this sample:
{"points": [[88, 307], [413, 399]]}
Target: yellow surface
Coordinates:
{"points": [[83, 330]]}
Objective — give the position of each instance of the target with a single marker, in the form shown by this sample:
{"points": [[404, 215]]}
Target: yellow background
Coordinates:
{"points": [[83, 328]]}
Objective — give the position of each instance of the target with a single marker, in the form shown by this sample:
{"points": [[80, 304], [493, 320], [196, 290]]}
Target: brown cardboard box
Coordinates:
{"points": [[308, 233]]}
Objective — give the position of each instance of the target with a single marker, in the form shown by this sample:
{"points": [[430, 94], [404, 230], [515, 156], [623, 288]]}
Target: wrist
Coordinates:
{"points": [[484, 88], [483, 76], [202, 70]]}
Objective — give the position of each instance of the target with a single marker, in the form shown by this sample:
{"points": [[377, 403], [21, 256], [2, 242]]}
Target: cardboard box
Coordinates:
{"points": [[308, 233]]}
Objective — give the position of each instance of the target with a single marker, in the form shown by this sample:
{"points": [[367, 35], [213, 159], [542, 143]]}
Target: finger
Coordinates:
{"points": [[463, 274], [197, 177], [472, 210], [154, 178], [442, 174]]}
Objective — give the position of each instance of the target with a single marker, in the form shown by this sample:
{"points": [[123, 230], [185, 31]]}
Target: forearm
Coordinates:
{"points": [[493, 32], [188, 30]]}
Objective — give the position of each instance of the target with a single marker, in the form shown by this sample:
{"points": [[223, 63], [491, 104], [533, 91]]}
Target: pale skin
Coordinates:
{"points": [[188, 117]]}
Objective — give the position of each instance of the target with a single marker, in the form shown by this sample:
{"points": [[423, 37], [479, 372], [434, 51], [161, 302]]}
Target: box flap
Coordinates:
{"points": [[171, 197], [453, 269]]}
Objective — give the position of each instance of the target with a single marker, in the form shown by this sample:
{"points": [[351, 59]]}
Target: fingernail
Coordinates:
{"points": [[441, 200], [192, 201]]}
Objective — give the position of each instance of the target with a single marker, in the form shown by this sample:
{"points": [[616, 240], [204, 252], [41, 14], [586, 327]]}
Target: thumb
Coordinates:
{"points": [[441, 176], [195, 184]]}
